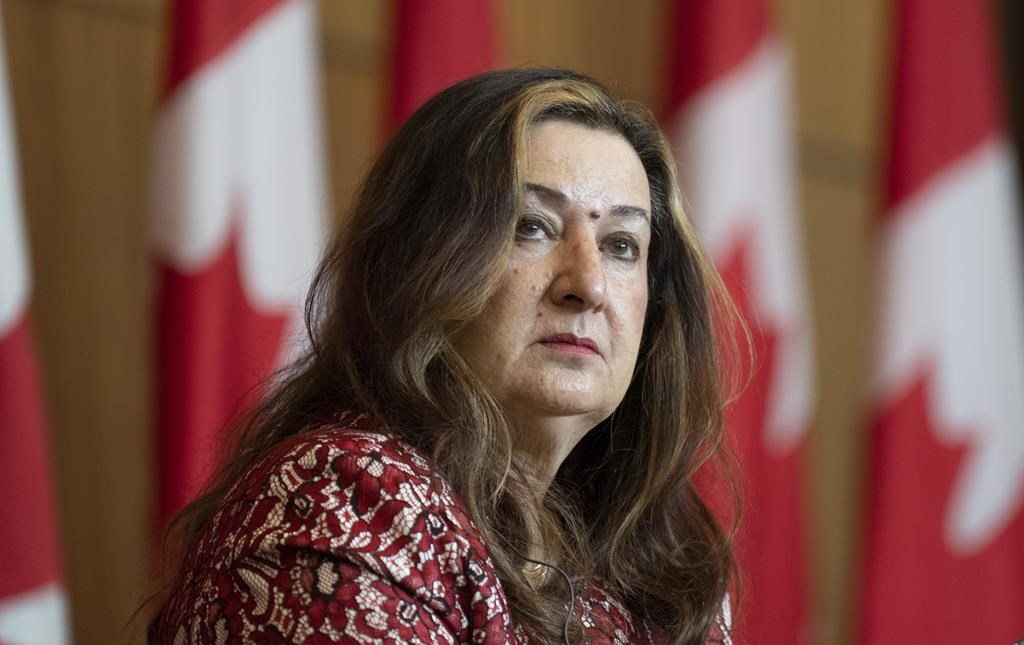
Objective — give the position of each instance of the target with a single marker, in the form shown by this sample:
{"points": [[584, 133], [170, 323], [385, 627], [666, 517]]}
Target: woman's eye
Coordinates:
{"points": [[624, 248], [530, 228]]}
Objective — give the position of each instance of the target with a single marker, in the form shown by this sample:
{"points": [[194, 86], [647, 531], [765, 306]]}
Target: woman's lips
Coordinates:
{"points": [[570, 344]]}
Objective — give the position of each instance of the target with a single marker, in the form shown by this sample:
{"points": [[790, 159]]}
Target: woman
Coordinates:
{"points": [[512, 381]]}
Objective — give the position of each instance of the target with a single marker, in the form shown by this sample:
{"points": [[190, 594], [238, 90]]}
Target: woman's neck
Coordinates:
{"points": [[543, 443]]}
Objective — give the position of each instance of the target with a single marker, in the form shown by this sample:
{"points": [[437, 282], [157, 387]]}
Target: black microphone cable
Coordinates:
{"points": [[572, 592]]}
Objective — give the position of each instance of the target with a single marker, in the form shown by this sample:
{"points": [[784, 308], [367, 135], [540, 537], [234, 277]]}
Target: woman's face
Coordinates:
{"points": [[560, 336]]}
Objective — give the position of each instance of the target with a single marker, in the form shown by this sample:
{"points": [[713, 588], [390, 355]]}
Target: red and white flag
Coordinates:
{"points": [[945, 524], [238, 217], [33, 608], [437, 43], [730, 123]]}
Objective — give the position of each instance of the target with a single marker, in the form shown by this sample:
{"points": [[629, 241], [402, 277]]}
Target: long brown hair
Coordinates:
{"points": [[418, 255]]}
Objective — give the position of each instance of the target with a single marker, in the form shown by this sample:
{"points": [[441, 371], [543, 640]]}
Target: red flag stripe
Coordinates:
{"points": [[730, 123], [914, 586], [238, 218], [28, 547], [943, 559], [201, 30], [709, 38], [769, 545], [437, 42], [214, 350], [32, 601], [945, 97]]}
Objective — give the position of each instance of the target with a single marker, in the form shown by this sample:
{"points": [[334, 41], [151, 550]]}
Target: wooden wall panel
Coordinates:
{"points": [[838, 50], [838, 254], [83, 79], [618, 42], [355, 40]]}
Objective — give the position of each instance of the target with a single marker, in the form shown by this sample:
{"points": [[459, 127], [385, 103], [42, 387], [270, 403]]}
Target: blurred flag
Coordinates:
{"points": [[730, 122], [238, 217], [32, 602], [437, 43], [945, 525]]}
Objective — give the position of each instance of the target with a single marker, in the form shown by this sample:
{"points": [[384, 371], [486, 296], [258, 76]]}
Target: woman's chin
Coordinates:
{"points": [[566, 403]]}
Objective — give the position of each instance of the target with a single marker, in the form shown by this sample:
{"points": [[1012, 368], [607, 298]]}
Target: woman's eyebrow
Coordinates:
{"points": [[547, 194], [630, 211], [557, 197]]}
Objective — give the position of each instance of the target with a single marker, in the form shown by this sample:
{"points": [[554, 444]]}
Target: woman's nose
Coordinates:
{"points": [[579, 279]]}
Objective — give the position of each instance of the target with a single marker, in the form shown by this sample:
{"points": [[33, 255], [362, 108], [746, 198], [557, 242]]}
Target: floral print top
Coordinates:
{"points": [[346, 535]]}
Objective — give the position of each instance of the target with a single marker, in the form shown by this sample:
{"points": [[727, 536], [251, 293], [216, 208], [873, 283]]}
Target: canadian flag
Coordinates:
{"points": [[238, 218], [437, 43], [945, 525], [33, 608], [730, 123]]}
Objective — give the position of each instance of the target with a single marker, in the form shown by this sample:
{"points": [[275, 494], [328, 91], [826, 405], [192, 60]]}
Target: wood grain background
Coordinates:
{"points": [[85, 76]]}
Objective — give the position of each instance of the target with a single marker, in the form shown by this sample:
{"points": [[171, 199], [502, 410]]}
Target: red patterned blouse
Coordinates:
{"points": [[346, 535]]}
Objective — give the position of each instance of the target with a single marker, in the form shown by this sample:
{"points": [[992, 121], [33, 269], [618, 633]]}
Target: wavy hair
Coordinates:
{"points": [[419, 255]]}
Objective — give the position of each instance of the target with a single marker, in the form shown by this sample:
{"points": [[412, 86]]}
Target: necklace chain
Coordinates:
{"points": [[535, 572]]}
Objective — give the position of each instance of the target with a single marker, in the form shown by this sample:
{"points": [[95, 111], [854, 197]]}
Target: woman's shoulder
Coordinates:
{"points": [[608, 620], [352, 434], [362, 517], [353, 476]]}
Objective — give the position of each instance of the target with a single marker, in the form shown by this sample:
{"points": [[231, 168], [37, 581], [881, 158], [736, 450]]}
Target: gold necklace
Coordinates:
{"points": [[535, 572]]}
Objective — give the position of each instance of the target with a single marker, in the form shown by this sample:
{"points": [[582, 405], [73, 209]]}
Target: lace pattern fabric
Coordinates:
{"points": [[346, 535]]}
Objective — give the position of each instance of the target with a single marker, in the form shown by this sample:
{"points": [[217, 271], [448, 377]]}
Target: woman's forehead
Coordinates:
{"points": [[571, 162]]}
